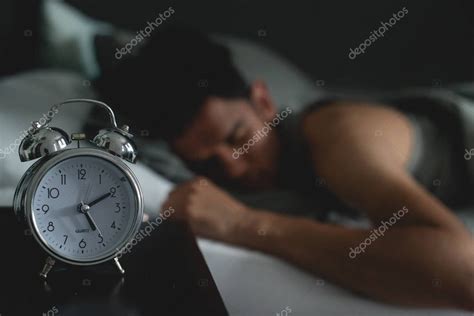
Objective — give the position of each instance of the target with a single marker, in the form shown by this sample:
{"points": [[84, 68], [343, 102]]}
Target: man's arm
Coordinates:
{"points": [[416, 266]]}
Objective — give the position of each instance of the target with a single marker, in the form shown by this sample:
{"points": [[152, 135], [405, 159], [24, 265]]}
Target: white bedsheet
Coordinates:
{"points": [[254, 284]]}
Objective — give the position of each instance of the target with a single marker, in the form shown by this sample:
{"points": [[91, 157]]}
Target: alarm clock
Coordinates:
{"points": [[81, 204]]}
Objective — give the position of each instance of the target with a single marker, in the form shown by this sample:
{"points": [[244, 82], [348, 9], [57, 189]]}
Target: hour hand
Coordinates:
{"points": [[91, 221], [84, 209]]}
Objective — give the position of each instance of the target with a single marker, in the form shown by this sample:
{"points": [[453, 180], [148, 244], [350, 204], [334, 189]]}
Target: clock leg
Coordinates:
{"points": [[48, 265], [119, 266]]}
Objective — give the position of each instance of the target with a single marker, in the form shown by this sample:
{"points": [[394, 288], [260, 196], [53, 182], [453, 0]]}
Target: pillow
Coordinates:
{"points": [[68, 38]]}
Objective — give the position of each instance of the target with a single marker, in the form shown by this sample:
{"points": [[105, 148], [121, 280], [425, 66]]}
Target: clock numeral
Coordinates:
{"points": [[63, 179], [118, 207], [82, 243], [81, 174], [53, 193], [113, 225], [45, 208], [101, 239], [65, 239], [50, 227], [113, 191], [100, 179]]}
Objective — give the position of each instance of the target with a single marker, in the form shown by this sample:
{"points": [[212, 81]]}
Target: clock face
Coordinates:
{"points": [[84, 208]]}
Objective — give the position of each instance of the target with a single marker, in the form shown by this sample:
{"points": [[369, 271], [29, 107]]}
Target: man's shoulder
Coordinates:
{"points": [[330, 121], [350, 122]]}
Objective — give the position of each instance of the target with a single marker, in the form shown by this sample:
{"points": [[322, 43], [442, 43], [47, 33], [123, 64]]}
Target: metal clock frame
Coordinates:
{"points": [[29, 185]]}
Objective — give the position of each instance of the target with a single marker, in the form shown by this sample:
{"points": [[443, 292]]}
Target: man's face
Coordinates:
{"points": [[223, 125]]}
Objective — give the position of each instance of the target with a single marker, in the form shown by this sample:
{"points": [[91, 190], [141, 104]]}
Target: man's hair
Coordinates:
{"points": [[163, 88]]}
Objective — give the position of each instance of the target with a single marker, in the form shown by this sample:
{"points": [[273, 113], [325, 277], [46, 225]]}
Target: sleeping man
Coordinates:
{"points": [[397, 166]]}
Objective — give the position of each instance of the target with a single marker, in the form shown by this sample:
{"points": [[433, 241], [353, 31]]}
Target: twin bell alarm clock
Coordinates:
{"points": [[81, 204]]}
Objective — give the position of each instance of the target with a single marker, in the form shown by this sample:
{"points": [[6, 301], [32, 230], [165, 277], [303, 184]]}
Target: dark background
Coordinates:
{"points": [[432, 44]]}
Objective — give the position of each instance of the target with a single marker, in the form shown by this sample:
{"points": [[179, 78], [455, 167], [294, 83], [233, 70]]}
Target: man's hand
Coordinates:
{"points": [[209, 210]]}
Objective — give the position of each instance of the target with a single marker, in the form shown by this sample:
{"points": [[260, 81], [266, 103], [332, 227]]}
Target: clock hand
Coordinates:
{"points": [[84, 209], [103, 197], [94, 224], [91, 221]]}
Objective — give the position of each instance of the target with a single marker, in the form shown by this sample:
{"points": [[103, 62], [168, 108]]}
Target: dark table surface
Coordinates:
{"points": [[165, 275]]}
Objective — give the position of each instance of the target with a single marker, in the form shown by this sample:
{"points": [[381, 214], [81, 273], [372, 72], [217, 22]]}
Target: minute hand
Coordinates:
{"points": [[103, 197]]}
